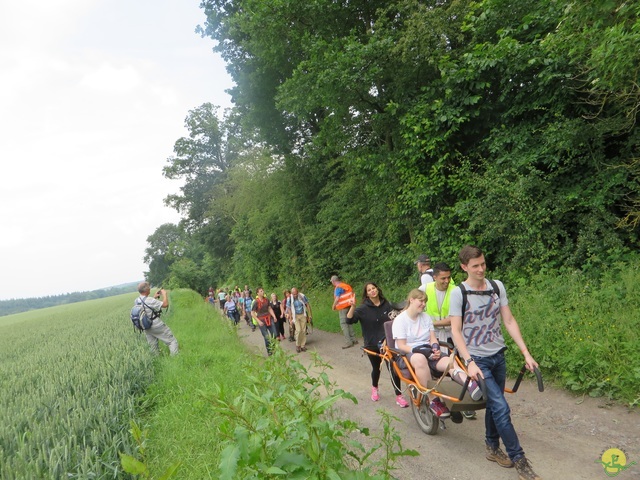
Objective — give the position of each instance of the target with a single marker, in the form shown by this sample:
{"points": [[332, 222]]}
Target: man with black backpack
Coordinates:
{"points": [[157, 330], [475, 309]]}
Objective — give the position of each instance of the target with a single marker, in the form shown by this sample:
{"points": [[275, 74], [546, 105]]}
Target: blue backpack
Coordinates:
{"points": [[139, 317]]}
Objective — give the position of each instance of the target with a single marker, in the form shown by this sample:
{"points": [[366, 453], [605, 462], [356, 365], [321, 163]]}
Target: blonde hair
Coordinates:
{"points": [[415, 294]]}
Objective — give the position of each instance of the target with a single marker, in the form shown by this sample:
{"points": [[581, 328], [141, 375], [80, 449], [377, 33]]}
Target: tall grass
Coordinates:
{"points": [[181, 427], [584, 333], [69, 379]]}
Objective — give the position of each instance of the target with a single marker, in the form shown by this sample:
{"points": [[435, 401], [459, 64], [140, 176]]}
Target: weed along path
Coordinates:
{"points": [[563, 436]]}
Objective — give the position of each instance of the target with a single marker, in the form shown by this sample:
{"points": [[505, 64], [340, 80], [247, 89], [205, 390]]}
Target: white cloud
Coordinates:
{"points": [[93, 95], [112, 79]]}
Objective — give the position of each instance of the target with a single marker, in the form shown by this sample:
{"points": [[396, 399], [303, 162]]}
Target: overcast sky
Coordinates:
{"points": [[93, 95]]}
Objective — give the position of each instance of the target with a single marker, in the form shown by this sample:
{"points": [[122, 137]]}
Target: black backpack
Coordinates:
{"points": [[465, 292], [139, 317]]}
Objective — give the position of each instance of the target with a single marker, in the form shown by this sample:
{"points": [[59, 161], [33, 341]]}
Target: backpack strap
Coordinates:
{"points": [[463, 289], [154, 314], [494, 289]]}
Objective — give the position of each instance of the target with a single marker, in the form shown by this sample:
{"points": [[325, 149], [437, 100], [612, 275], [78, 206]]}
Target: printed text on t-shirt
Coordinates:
{"points": [[482, 326]]}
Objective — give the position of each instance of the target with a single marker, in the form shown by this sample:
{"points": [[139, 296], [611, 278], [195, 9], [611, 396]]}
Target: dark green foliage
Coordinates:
{"points": [[200, 161], [365, 132]]}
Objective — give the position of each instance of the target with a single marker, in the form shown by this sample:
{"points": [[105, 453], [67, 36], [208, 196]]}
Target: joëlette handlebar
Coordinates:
{"points": [[523, 370]]}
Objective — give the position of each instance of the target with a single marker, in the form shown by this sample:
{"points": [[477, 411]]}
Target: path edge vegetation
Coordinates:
{"points": [[221, 412]]}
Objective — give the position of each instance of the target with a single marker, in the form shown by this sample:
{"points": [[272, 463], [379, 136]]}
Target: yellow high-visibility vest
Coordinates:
{"points": [[432, 301]]}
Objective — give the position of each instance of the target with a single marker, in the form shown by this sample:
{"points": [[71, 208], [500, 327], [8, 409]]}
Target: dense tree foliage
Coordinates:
{"points": [[364, 132]]}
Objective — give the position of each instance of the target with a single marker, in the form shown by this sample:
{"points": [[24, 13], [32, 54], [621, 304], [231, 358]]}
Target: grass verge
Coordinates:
{"points": [[223, 413]]}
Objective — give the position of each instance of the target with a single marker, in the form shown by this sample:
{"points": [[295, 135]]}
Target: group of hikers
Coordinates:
{"points": [[270, 315], [469, 316]]}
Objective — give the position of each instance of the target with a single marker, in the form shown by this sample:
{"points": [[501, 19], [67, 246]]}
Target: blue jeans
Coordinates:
{"points": [[269, 333], [497, 418]]}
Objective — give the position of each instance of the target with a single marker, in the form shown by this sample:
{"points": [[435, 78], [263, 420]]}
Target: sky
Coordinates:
{"points": [[93, 96]]}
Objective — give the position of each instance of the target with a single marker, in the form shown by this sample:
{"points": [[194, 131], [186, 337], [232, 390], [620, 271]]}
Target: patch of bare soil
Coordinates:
{"points": [[563, 436]]}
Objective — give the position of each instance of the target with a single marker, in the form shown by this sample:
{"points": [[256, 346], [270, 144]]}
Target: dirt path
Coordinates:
{"points": [[563, 436]]}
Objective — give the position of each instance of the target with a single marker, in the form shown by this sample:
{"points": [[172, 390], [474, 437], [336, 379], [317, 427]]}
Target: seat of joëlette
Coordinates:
{"points": [[391, 344], [397, 355], [448, 388]]}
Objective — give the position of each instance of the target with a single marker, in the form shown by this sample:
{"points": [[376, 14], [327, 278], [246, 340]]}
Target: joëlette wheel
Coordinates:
{"points": [[427, 420]]}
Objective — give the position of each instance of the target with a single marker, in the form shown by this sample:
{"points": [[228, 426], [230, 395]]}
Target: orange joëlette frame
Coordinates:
{"points": [[388, 354]]}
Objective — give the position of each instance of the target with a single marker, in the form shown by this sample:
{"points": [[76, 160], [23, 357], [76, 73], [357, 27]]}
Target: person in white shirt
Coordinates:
{"points": [[415, 336]]}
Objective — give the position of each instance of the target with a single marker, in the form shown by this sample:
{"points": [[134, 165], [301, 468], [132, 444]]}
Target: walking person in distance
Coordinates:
{"points": [[342, 296]]}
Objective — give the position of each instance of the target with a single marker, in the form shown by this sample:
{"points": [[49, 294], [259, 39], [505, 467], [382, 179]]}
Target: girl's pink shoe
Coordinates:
{"points": [[374, 394]]}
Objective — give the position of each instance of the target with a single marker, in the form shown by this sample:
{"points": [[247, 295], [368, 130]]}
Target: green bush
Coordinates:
{"points": [[282, 425], [583, 332]]}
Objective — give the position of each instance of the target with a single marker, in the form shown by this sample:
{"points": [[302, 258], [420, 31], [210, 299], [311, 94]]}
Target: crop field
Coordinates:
{"points": [[71, 379]]}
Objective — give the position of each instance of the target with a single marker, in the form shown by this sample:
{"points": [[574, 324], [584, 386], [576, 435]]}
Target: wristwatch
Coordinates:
{"points": [[468, 361]]}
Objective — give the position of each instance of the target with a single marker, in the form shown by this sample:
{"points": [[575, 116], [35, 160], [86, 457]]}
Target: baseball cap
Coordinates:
{"points": [[334, 278], [422, 259]]}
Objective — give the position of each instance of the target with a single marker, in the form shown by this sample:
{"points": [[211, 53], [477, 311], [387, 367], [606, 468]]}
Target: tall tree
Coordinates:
{"points": [[371, 129], [200, 161], [161, 253]]}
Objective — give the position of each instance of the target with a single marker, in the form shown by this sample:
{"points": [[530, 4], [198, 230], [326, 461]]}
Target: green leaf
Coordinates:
{"points": [[229, 462], [131, 465]]}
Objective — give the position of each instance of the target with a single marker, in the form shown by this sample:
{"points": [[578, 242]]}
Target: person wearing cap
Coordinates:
{"points": [[423, 263], [342, 296]]}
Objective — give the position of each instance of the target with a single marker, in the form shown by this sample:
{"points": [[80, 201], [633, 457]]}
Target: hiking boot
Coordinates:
{"points": [[298, 349], [524, 469], [355, 342], [349, 345], [401, 402], [439, 408], [375, 396], [474, 390], [303, 348], [498, 456], [470, 414]]}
